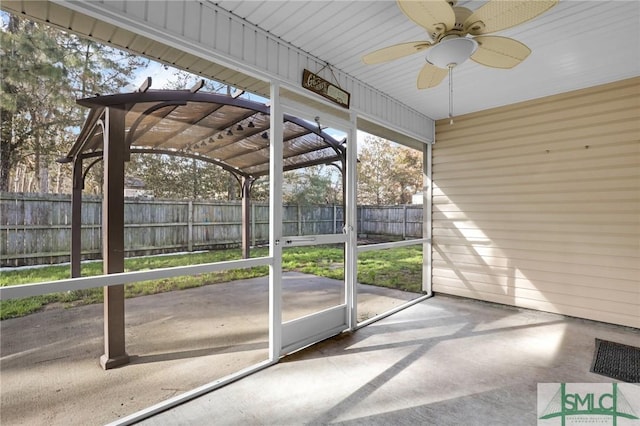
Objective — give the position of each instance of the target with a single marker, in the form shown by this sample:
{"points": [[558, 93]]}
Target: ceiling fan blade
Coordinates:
{"points": [[431, 76], [498, 15], [436, 16], [396, 51], [499, 52]]}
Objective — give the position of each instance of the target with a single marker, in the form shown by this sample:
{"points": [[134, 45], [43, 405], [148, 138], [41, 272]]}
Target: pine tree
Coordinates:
{"points": [[44, 70], [34, 105]]}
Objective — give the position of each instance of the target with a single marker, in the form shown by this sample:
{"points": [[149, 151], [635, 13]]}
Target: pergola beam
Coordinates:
{"points": [[323, 161], [247, 134], [237, 173], [264, 149], [284, 157], [228, 127], [188, 125], [134, 133]]}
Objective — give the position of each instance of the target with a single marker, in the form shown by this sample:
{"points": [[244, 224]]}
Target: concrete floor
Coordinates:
{"points": [[49, 371], [445, 361]]}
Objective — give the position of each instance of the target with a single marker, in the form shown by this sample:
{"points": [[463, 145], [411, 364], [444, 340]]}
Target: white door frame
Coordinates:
{"points": [[309, 329]]}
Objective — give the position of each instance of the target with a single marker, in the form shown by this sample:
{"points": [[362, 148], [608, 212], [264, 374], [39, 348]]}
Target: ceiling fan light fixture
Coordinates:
{"points": [[451, 51]]}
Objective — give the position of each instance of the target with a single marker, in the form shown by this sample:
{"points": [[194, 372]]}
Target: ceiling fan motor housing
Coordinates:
{"points": [[442, 30], [452, 47]]}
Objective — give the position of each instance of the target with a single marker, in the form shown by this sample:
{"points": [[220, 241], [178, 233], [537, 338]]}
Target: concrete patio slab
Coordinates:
{"points": [[49, 370], [444, 361]]}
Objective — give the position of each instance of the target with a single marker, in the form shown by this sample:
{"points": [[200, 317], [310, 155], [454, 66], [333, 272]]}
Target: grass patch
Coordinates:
{"points": [[323, 261], [399, 268]]}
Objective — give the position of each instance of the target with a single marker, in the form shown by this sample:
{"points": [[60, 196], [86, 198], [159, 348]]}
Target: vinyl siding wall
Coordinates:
{"points": [[537, 204]]}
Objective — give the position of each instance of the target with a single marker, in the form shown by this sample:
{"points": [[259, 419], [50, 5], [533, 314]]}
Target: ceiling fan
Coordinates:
{"points": [[458, 34], [450, 27]]}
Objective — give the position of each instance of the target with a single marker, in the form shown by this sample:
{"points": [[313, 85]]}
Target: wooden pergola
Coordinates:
{"points": [[228, 131]]}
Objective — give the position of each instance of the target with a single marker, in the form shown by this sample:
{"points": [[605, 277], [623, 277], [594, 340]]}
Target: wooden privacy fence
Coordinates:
{"points": [[36, 229]]}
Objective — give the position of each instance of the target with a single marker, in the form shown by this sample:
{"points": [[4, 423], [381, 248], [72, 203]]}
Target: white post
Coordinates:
{"points": [[275, 224], [427, 232], [351, 225]]}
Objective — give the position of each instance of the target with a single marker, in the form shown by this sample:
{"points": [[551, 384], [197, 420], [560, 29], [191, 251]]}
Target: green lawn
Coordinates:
{"points": [[399, 268]]}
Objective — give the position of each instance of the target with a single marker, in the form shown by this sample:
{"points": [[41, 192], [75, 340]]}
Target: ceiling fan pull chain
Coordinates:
{"points": [[451, 93]]}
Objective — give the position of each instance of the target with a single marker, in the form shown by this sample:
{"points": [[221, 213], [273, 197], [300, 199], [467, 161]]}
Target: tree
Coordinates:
{"points": [[43, 71], [407, 173], [169, 176], [312, 185], [387, 173], [260, 189], [33, 85], [374, 171]]}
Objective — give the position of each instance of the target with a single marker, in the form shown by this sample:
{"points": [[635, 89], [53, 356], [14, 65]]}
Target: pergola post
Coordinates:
{"points": [[114, 156], [246, 216], [76, 218]]}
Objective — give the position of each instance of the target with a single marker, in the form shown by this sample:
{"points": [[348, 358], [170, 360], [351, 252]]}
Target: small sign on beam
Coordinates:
{"points": [[322, 87]]}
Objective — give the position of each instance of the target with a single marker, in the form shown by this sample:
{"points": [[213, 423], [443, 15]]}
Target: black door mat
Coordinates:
{"points": [[618, 361]]}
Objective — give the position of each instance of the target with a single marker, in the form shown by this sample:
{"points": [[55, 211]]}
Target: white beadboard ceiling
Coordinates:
{"points": [[576, 44]]}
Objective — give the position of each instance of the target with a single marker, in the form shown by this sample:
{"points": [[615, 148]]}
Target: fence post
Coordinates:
{"points": [[299, 220], [335, 219], [253, 224], [404, 221], [190, 226]]}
